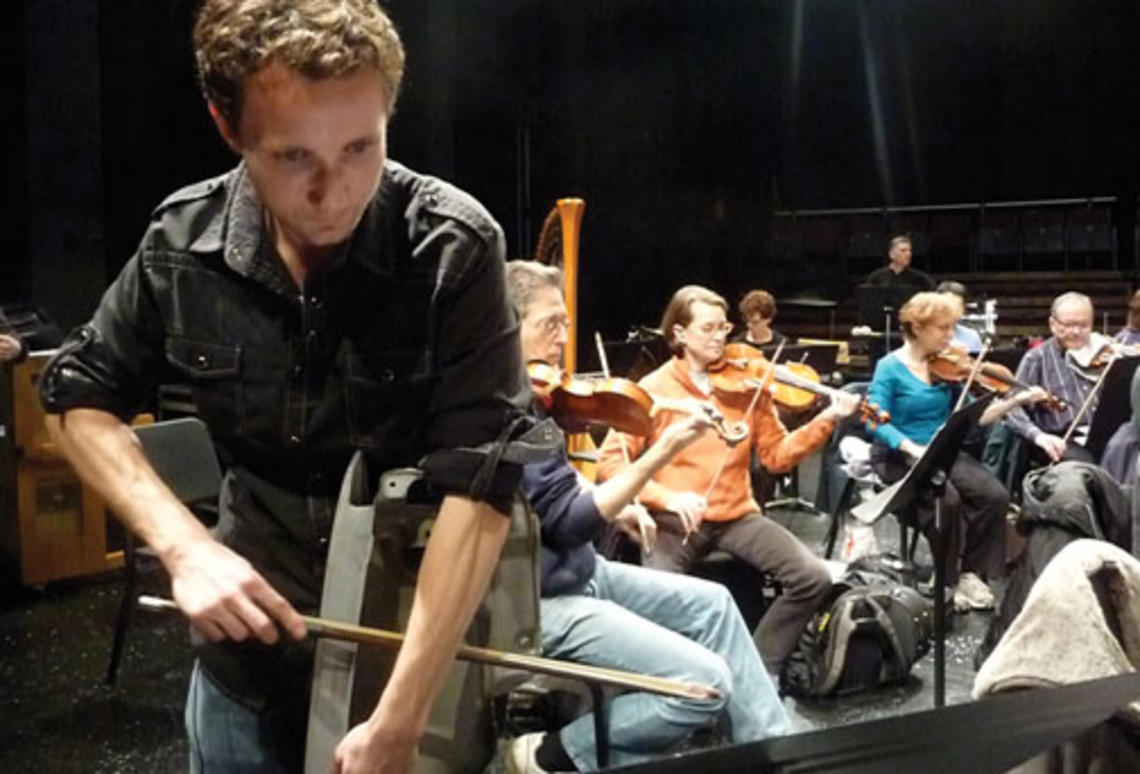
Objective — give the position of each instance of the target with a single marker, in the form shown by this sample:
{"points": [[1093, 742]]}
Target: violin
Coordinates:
{"points": [[1099, 352], [953, 364], [574, 402], [796, 386]]}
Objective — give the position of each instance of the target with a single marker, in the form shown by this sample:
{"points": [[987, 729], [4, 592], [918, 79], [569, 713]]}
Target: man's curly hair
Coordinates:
{"points": [[318, 38]]}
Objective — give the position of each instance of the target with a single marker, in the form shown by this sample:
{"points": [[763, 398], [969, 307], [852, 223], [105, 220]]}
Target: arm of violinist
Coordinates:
{"points": [[780, 450], [611, 462], [1029, 371], [999, 408], [881, 393], [622, 487]]}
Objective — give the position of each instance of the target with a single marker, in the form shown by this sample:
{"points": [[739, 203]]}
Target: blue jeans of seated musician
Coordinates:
{"points": [[227, 737], [668, 625]]}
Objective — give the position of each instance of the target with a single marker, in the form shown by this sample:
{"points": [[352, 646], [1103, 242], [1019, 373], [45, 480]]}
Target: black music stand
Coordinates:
{"points": [[876, 306], [928, 476], [1114, 407], [991, 735]]}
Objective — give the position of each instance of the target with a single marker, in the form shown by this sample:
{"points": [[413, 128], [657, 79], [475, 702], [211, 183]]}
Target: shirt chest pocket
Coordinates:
{"points": [[213, 371], [387, 397]]}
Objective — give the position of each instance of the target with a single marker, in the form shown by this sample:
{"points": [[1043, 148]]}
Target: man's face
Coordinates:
{"points": [[544, 326], [704, 337], [900, 256], [1071, 323], [315, 150]]}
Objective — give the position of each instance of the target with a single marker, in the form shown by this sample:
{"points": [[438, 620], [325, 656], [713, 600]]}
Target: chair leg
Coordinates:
{"points": [[836, 513], [601, 724], [126, 608]]}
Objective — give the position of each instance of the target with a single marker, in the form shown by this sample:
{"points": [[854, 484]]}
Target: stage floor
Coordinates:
{"points": [[56, 715]]}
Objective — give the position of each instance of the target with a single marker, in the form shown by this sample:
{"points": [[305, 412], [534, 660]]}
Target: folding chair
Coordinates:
{"points": [[183, 455]]}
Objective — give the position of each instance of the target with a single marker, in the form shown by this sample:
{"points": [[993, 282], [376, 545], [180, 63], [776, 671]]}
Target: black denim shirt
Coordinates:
{"points": [[405, 348]]}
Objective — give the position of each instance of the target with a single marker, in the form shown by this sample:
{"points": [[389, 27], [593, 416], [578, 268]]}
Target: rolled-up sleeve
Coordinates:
{"points": [[112, 362], [480, 387]]}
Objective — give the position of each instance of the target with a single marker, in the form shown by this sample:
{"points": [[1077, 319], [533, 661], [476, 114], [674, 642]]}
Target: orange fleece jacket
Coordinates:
{"points": [[693, 469]]}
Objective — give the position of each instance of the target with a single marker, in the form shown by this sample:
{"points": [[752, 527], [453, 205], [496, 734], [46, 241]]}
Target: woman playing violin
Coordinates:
{"points": [[618, 615], [903, 384], [705, 489]]}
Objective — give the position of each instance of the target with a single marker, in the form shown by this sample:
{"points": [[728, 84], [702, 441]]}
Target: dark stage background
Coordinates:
{"points": [[683, 125]]}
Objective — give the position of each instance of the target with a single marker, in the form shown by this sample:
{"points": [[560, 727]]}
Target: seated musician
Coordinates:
{"points": [[1129, 335], [964, 336], [1061, 364], [619, 615], [706, 490], [904, 386], [758, 309]]}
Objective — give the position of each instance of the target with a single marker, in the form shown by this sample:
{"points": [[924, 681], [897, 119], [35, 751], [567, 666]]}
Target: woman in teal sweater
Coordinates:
{"points": [[919, 405]]}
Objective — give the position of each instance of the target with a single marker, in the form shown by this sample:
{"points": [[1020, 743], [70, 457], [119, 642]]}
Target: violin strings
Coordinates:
{"points": [[1088, 398], [751, 405], [973, 373]]}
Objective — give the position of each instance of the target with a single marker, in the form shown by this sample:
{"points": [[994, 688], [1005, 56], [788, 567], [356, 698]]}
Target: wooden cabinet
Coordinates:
{"points": [[53, 526]]}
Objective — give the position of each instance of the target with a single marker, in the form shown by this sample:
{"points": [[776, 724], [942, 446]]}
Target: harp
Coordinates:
{"points": [[558, 246]]}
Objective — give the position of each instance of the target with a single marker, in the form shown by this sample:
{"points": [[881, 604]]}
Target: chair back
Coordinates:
{"points": [[182, 453]]}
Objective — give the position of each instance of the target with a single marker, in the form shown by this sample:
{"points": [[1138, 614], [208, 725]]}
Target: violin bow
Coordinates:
{"points": [[365, 635], [769, 374], [1088, 398], [985, 350], [646, 544]]}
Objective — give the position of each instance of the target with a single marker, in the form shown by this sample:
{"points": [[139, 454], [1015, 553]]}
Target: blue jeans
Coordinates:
{"points": [[228, 737], [668, 625]]}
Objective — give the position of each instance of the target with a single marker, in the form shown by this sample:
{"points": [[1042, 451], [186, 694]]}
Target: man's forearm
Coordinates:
{"points": [[108, 458], [461, 556]]}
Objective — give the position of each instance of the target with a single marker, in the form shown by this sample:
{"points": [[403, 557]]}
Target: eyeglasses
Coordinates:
{"points": [[1073, 325], [553, 325], [709, 329]]}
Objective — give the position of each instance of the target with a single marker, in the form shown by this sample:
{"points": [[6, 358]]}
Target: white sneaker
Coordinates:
{"points": [[520, 757], [972, 593]]}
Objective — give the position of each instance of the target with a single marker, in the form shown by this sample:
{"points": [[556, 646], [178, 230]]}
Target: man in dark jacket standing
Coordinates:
{"points": [[320, 299]]}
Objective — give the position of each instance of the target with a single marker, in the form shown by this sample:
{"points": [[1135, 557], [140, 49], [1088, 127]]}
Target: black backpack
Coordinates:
{"points": [[869, 631]]}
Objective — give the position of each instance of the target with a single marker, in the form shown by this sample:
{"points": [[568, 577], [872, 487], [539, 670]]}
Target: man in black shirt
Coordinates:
{"points": [[898, 273], [320, 299]]}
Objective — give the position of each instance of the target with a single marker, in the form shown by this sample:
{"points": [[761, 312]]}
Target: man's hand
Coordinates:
{"points": [[10, 348], [636, 522], [843, 404], [1053, 446], [690, 507], [224, 597], [1034, 394], [366, 750]]}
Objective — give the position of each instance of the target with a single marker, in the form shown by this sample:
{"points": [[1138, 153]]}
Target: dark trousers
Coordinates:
{"points": [[974, 498], [768, 547]]}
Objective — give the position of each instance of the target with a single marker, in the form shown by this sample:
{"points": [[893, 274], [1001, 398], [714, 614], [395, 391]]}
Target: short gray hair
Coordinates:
{"points": [[1072, 295], [525, 278]]}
